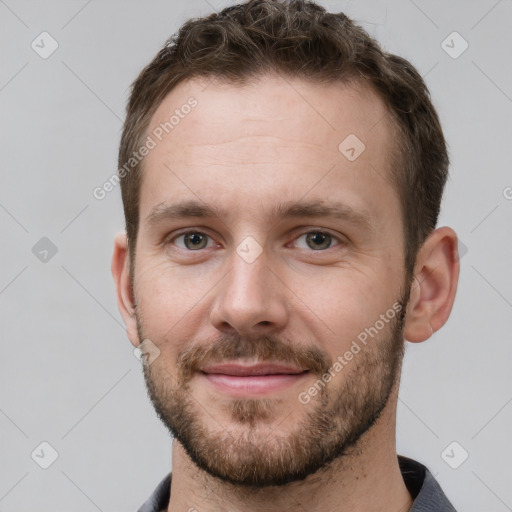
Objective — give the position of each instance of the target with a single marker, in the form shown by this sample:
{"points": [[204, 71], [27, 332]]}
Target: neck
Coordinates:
{"points": [[366, 479]]}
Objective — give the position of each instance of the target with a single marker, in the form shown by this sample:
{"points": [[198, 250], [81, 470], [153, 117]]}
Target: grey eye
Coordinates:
{"points": [[193, 241], [318, 241]]}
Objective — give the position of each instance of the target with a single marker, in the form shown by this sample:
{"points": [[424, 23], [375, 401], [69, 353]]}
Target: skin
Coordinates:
{"points": [[248, 149]]}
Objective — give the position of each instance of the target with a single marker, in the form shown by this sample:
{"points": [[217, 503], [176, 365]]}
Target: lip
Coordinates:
{"points": [[241, 370], [242, 380]]}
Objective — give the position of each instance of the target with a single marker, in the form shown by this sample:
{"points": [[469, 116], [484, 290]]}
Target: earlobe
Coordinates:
{"points": [[124, 293], [434, 285]]}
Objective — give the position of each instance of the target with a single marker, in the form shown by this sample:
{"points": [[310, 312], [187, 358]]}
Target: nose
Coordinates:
{"points": [[251, 299]]}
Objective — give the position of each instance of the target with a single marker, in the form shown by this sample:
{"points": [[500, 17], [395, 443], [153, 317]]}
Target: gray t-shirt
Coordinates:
{"points": [[428, 496]]}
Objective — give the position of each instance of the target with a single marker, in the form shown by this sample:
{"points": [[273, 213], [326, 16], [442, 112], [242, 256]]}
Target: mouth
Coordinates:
{"points": [[257, 379]]}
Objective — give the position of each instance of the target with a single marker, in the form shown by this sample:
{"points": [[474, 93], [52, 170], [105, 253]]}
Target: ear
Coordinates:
{"points": [[436, 275], [121, 274]]}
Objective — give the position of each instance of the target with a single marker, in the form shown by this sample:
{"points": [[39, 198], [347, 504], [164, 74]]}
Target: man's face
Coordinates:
{"points": [[277, 247]]}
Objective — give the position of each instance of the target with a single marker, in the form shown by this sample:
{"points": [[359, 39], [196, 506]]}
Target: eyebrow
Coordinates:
{"points": [[308, 209]]}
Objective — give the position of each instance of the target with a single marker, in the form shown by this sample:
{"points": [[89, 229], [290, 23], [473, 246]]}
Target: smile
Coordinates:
{"points": [[240, 380]]}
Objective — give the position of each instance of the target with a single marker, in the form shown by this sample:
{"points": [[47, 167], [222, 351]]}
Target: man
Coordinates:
{"points": [[281, 179]]}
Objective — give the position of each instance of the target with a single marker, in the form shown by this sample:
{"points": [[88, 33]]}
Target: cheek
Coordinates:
{"points": [[172, 299], [344, 302]]}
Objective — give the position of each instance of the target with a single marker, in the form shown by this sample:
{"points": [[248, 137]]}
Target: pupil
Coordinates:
{"points": [[320, 240], [195, 239]]}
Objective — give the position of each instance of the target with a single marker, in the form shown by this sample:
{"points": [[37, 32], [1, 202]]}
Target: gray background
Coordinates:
{"points": [[68, 375]]}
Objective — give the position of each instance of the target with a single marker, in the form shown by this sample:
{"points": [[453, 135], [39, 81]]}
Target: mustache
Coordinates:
{"points": [[264, 348]]}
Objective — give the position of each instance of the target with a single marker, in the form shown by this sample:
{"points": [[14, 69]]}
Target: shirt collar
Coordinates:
{"points": [[423, 487]]}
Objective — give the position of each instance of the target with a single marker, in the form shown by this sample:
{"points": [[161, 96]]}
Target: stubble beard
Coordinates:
{"points": [[250, 450]]}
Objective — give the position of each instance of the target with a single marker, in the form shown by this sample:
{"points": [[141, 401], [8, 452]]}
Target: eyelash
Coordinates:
{"points": [[188, 232]]}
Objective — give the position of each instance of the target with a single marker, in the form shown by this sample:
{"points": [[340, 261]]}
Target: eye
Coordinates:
{"points": [[193, 241], [316, 240]]}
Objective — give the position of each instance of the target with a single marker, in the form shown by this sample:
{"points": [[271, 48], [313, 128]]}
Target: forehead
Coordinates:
{"points": [[269, 105], [274, 138]]}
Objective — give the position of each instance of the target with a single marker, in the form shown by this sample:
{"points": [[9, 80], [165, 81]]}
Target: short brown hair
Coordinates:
{"points": [[300, 39]]}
